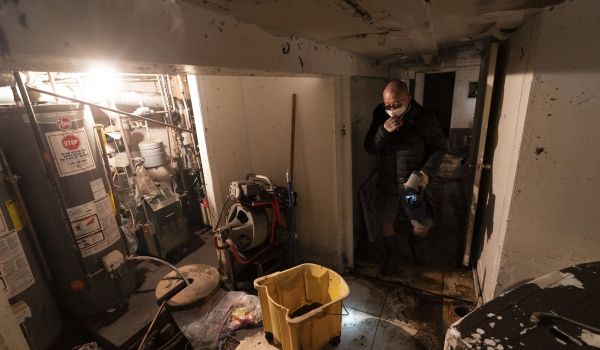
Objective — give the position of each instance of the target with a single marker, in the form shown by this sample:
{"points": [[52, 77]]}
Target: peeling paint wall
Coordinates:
{"points": [[553, 222], [158, 36], [463, 111], [419, 87], [247, 128], [541, 213], [463, 107], [386, 29]]}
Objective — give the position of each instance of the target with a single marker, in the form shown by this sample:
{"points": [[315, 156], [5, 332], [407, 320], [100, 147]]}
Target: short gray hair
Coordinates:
{"points": [[396, 86]]}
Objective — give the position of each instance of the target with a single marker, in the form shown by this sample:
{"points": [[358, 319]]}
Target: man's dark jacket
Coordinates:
{"points": [[417, 145]]}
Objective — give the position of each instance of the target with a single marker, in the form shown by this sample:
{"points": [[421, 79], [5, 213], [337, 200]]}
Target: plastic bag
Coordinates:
{"points": [[206, 324], [244, 312]]}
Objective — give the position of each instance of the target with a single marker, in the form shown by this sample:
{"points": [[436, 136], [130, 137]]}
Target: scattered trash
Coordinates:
{"points": [[208, 326], [245, 312]]}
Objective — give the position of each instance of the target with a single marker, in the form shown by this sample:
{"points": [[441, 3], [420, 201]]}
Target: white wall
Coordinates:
{"points": [[419, 87], [546, 218], [463, 107], [157, 36], [247, 125], [554, 215], [366, 94]]}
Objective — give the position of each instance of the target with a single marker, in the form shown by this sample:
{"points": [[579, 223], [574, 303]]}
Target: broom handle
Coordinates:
{"points": [[293, 139], [290, 177]]}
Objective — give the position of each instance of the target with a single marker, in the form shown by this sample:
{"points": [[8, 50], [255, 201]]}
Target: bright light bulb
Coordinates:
{"points": [[103, 82]]}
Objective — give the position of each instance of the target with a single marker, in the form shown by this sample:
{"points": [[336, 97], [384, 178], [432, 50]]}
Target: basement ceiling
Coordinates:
{"points": [[386, 30]]}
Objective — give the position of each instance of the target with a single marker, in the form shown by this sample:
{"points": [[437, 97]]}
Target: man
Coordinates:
{"points": [[409, 141]]}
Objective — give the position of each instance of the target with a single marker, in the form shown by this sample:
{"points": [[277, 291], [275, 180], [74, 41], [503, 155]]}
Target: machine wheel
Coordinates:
{"points": [[335, 341]]}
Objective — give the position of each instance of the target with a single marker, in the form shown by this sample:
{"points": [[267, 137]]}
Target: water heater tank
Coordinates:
{"points": [[71, 206], [21, 277]]}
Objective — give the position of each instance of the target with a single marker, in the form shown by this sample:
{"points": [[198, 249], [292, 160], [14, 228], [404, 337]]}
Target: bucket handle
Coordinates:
{"points": [[342, 314]]}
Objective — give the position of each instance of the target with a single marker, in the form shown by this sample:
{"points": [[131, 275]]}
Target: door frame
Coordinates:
{"points": [[475, 164]]}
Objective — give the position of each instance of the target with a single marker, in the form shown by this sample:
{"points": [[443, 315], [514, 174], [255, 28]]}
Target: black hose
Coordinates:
{"points": [[221, 214]]}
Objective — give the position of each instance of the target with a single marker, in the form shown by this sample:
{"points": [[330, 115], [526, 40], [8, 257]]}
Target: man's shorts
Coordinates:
{"points": [[394, 207]]}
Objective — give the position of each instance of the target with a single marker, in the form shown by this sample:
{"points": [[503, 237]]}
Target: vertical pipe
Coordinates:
{"points": [[37, 133], [189, 125], [99, 133], [188, 121], [168, 111], [52, 83], [293, 138], [290, 181], [169, 92], [126, 143]]}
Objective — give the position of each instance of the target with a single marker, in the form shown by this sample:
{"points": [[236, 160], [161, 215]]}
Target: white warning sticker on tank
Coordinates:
{"points": [[15, 273], [71, 151], [94, 225], [98, 188]]}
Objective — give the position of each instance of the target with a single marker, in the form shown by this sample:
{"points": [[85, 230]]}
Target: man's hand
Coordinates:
{"points": [[424, 179], [393, 123], [417, 181]]}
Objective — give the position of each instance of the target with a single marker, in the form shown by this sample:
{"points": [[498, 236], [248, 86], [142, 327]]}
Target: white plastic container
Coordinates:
{"points": [[153, 153]]}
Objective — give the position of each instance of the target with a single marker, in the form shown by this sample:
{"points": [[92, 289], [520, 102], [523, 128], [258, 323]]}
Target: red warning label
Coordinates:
{"points": [[86, 225], [71, 151], [63, 123], [71, 142]]}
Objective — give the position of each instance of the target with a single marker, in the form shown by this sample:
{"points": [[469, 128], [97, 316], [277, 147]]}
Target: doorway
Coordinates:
{"points": [[437, 97], [432, 264]]}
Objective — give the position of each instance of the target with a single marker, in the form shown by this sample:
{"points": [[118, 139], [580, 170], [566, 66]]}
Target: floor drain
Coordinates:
{"points": [[462, 311]]}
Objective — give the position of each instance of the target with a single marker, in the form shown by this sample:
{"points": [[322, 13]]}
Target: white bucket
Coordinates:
{"points": [[153, 153]]}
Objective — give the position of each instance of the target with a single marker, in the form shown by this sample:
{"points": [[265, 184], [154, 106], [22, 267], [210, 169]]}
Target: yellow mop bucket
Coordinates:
{"points": [[302, 306]]}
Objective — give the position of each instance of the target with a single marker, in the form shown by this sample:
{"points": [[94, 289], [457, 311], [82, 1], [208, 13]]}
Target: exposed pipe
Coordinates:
{"points": [[47, 158], [13, 179], [137, 99], [99, 128], [51, 78], [126, 144], [107, 108], [186, 110], [166, 95]]}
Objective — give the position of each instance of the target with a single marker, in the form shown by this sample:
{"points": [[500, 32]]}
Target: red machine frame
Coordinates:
{"points": [[277, 221]]}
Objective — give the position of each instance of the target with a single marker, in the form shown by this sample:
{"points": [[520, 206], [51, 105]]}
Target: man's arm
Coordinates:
{"points": [[436, 145], [377, 136]]}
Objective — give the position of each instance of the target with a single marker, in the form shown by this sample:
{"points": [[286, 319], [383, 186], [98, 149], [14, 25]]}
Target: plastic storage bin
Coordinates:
{"points": [[302, 306]]}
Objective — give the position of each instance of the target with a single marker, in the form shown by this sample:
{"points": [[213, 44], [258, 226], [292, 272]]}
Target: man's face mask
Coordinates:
{"points": [[396, 112]]}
